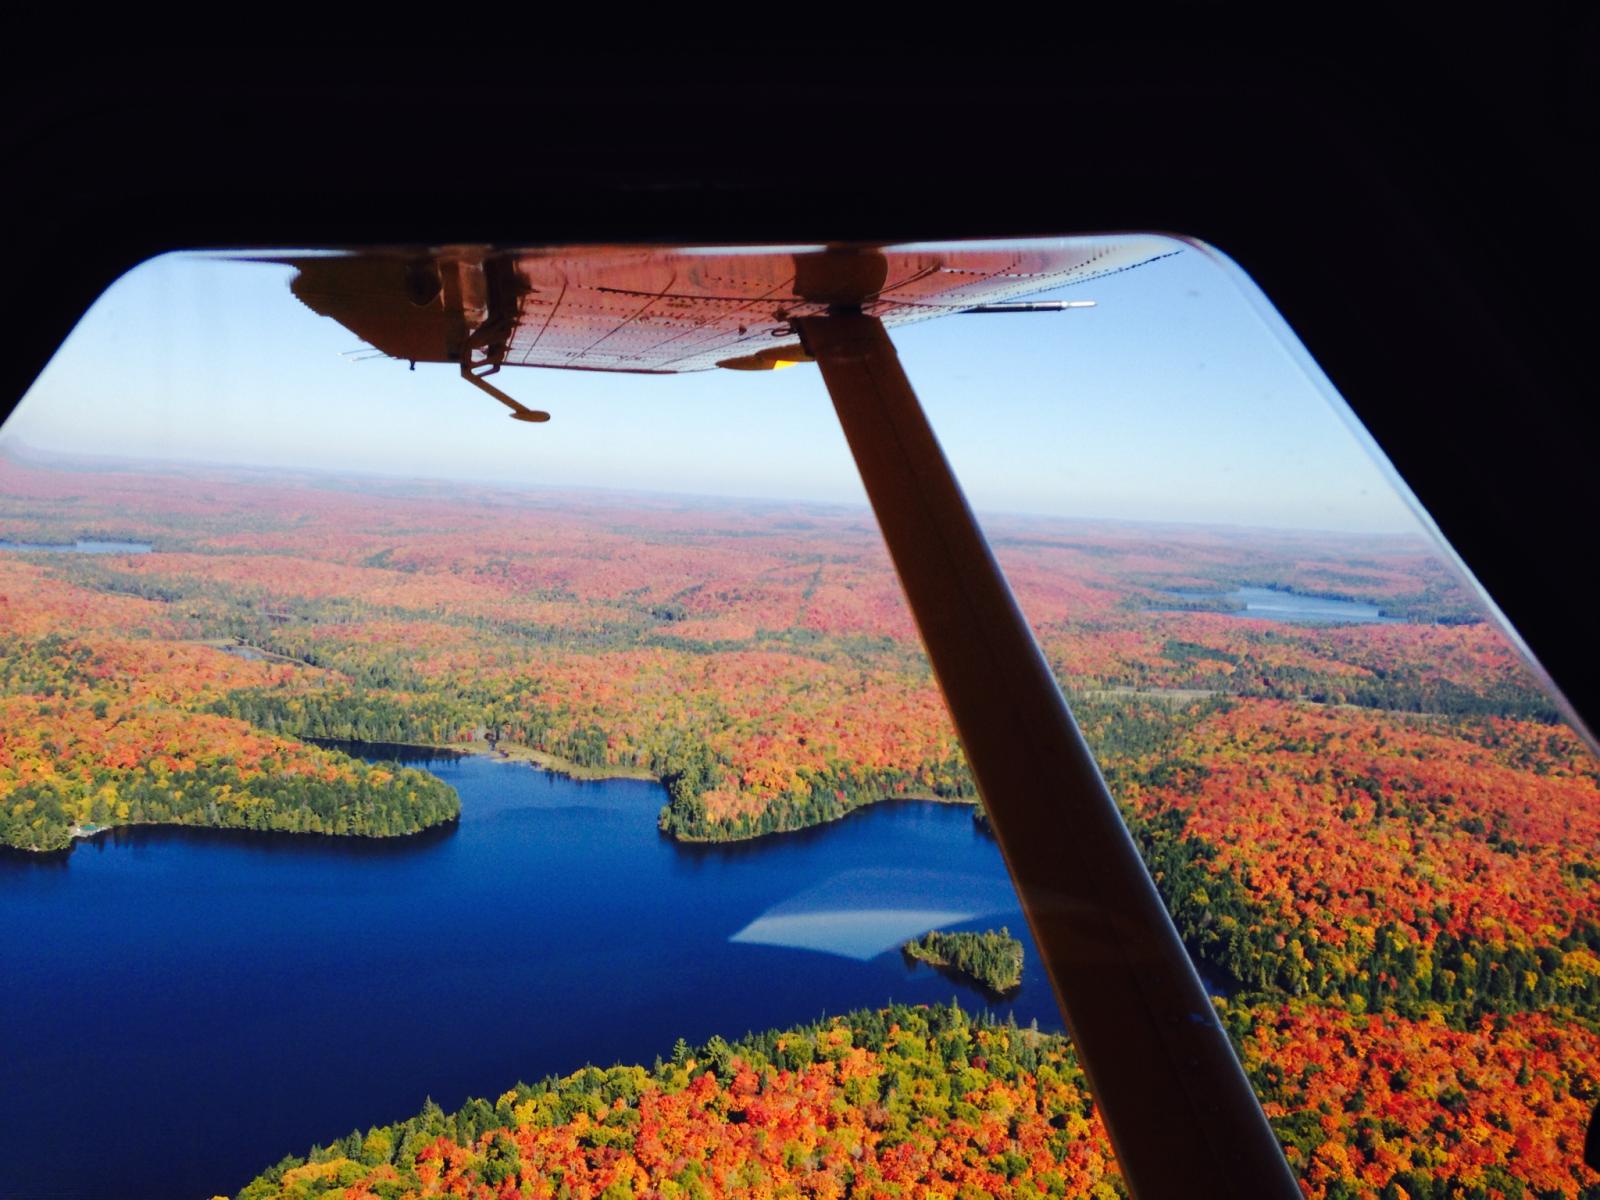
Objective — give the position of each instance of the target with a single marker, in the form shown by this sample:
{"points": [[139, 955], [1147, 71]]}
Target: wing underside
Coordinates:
{"points": [[652, 310]]}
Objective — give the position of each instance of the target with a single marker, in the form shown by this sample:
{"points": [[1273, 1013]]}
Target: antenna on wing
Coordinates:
{"points": [[1022, 306]]}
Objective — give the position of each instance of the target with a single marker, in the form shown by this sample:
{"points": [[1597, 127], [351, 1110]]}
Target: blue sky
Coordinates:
{"points": [[1174, 398]]}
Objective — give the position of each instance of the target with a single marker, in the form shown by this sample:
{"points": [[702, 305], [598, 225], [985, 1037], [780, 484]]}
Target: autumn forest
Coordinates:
{"points": [[1379, 837]]}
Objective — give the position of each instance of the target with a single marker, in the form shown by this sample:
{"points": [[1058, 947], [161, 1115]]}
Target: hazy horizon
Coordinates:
{"points": [[375, 483], [1172, 400]]}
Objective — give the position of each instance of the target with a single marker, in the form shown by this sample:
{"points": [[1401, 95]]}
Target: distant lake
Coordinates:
{"points": [[1274, 605], [181, 1008], [79, 547]]}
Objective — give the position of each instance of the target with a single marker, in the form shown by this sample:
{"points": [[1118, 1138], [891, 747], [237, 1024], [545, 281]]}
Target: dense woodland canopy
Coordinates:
{"points": [[1380, 837], [901, 1101], [937, 1102]]}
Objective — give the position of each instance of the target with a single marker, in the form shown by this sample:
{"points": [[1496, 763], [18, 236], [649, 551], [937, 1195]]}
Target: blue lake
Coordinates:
{"points": [[79, 547], [1274, 605], [181, 1008]]}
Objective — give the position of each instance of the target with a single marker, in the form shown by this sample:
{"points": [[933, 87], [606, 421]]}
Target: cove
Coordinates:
{"points": [[181, 1008]]}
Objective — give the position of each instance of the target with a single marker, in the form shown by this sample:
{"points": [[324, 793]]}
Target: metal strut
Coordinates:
{"points": [[1182, 1117], [493, 337], [472, 374]]}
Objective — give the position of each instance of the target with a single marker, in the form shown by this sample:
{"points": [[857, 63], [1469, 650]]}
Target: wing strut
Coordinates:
{"points": [[474, 372], [1183, 1119]]}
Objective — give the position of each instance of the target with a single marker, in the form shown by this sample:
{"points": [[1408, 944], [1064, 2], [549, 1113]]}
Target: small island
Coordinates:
{"points": [[989, 959]]}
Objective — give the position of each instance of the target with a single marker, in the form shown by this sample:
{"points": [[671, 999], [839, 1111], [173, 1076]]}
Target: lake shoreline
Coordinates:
{"points": [[556, 765], [539, 760], [927, 950], [956, 975], [76, 834], [1283, 605], [513, 752], [744, 839], [543, 760]]}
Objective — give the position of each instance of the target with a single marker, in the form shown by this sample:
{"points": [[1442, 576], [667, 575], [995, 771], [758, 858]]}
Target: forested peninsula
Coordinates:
{"points": [[940, 1102], [339, 798], [98, 733], [878, 1102]]}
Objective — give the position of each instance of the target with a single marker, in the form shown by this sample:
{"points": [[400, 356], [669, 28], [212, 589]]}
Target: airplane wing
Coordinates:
{"points": [[647, 310]]}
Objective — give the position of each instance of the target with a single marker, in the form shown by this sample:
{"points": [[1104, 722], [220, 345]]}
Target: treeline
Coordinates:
{"points": [[1399, 689], [439, 716], [992, 959], [829, 795], [353, 716], [1119, 730], [685, 764], [1405, 693], [448, 716], [287, 624], [361, 801]]}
